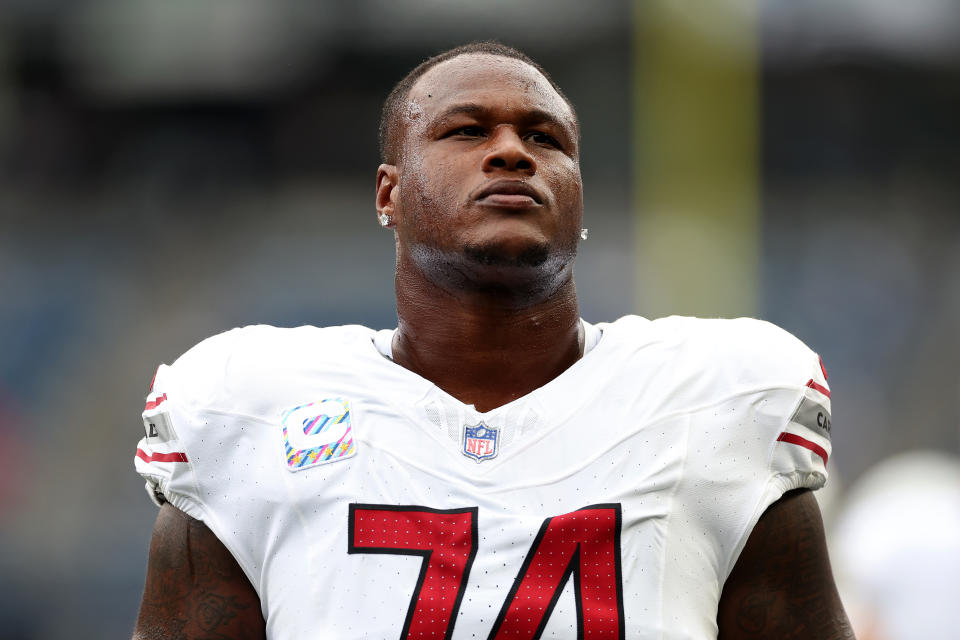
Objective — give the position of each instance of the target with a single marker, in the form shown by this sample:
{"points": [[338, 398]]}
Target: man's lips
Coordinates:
{"points": [[509, 194], [510, 201]]}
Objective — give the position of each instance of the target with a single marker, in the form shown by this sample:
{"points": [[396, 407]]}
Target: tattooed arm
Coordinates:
{"points": [[195, 589], [782, 586]]}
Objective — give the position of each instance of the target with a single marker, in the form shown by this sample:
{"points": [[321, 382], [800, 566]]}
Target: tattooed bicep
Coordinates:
{"points": [[195, 589], [782, 585]]}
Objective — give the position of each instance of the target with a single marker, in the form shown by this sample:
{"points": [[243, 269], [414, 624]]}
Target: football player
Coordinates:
{"points": [[495, 467]]}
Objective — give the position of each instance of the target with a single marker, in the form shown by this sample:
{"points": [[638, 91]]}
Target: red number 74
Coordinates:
{"points": [[584, 543]]}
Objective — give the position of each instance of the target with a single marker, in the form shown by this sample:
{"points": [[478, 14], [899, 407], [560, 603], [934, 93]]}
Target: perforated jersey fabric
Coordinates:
{"points": [[364, 502]]}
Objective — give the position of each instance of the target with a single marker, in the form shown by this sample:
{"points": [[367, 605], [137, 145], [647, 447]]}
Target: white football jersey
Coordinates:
{"points": [[364, 502]]}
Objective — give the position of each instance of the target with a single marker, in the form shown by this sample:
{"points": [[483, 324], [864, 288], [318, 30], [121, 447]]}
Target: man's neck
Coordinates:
{"points": [[483, 351]]}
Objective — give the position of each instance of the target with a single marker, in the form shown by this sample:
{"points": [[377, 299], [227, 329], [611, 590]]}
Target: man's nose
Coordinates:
{"points": [[508, 153]]}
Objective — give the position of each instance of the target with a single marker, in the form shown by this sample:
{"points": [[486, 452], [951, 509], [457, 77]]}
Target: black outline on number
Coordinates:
{"points": [[572, 567], [423, 553]]}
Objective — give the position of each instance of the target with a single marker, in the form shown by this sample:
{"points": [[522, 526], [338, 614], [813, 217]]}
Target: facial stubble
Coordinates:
{"points": [[491, 267]]}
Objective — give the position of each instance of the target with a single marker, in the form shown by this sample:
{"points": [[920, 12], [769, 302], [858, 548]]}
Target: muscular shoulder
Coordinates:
{"points": [[194, 587], [782, 585]]}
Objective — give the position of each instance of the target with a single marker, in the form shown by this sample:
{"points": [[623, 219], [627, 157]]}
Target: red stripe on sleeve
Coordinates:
{"points": [[822, 368], [813, 384], [176, 456], [803, 442], [153, 404]]}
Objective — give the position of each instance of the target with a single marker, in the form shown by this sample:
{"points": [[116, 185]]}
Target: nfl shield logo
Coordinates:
{"points": [[480, 442]]}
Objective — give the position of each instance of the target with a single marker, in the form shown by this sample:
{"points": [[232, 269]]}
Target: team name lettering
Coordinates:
{"points": [[823, 421]]}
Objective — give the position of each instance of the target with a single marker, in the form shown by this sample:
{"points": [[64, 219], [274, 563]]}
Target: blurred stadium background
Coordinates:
{"points": [[169, 170]]}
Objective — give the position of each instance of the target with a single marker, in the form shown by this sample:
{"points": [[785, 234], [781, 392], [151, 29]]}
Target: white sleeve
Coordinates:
{"points": [[797, 438], [162, 458], [757, 394], [173, 419], [793, 398], [803, 445]]}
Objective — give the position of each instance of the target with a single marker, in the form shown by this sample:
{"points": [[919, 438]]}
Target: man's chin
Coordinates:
{"points": [[519, 277], [493, 254]]}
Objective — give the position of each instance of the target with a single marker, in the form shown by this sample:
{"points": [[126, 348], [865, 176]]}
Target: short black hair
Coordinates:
{"points": [[390, 116]]}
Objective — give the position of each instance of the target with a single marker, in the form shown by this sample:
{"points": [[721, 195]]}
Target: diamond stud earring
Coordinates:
{"points": [[584, 233], [384, 219]]}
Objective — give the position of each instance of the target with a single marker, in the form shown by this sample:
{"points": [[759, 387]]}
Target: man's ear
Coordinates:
{"points": [[388, 192]]}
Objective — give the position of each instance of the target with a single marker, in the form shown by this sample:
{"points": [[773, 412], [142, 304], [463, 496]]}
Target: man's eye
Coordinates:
{"points": [[470, 132], [540, 137]]}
